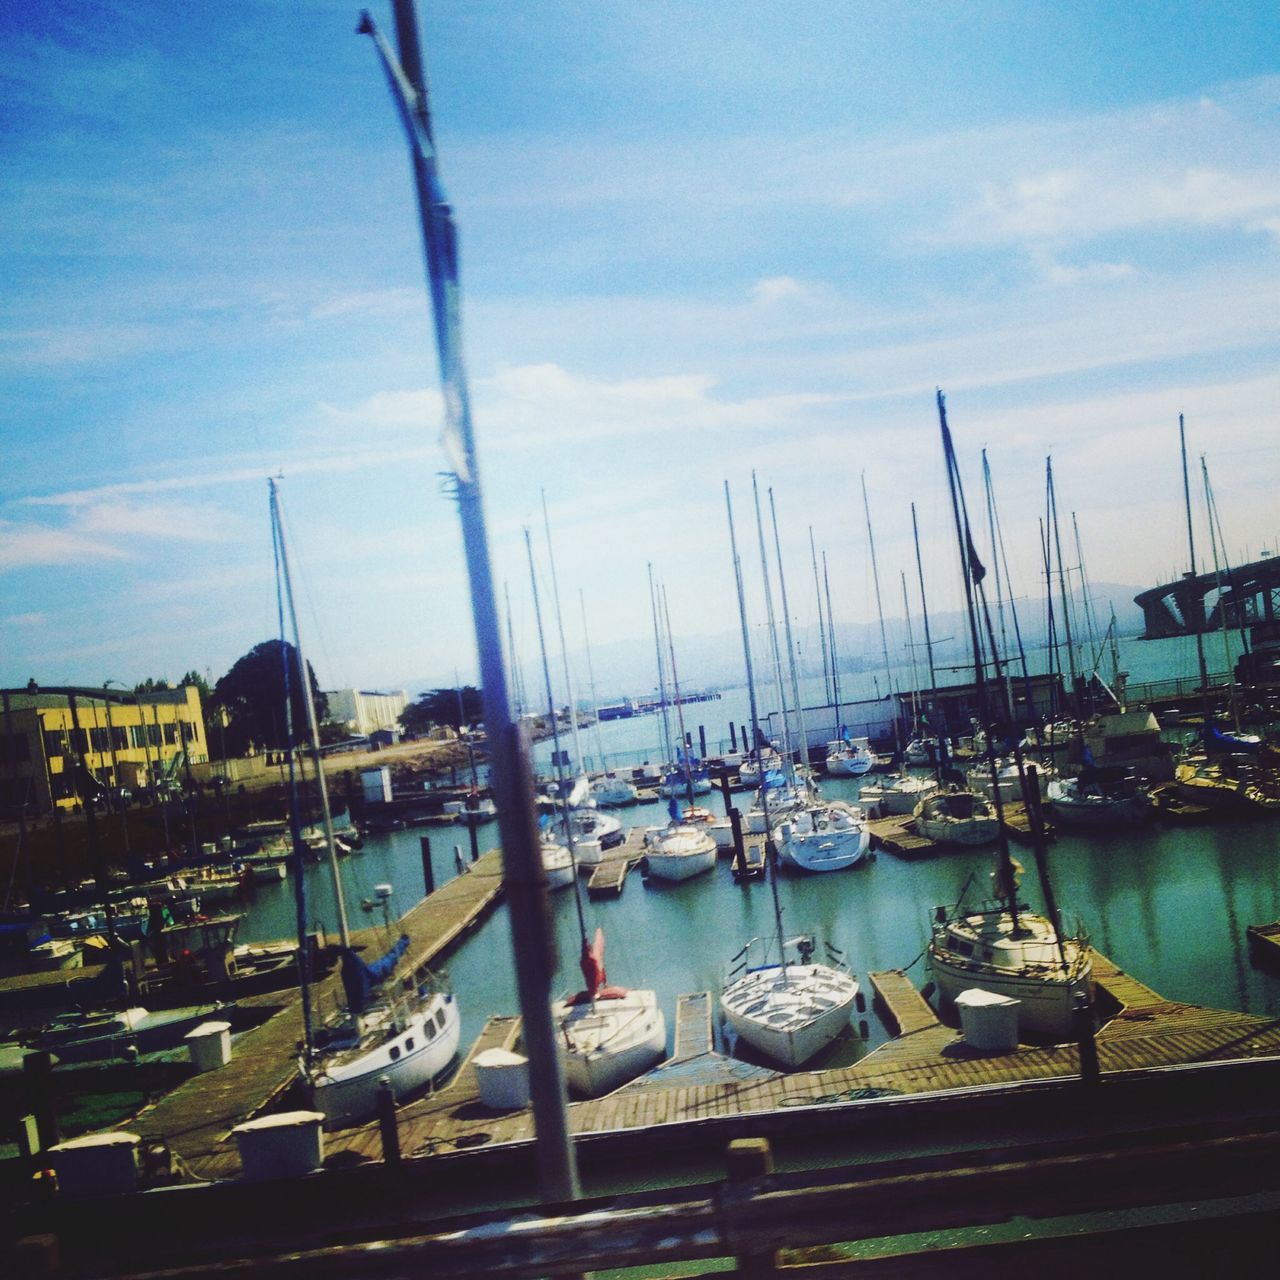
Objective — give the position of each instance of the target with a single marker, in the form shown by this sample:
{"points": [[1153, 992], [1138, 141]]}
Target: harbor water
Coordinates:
{"points": [[1168, 904]]}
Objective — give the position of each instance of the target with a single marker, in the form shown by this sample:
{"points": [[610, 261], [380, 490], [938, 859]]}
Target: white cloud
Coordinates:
{"points": [[27, 619], [181, 521], [32, 546]]}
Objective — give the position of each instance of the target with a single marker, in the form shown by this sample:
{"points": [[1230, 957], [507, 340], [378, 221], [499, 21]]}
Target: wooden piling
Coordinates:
{"points": [[428, 871], [748, 1162]]}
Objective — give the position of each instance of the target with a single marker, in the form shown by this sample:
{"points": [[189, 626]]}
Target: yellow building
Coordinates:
{"points": [[121, 740]]}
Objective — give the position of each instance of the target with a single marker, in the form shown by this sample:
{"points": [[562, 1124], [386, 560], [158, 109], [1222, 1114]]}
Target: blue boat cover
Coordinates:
{"points": [[1216, 740], [359, 979]]}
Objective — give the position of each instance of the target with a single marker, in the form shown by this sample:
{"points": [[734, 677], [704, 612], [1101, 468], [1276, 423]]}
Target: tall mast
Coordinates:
{"points": [[831, 631], [773, 634], [516, 682], [911, 649], [685, 750], [525, 878], [564, 650], [786, 630], [771, 851], [662, 682], [1001, 583], [822, 633], [1191, 548], [1222, 613], [313, 731], [591, 679], [1062, 590], [928, 639], [562, 785], [884, 638], [1090, 620]]}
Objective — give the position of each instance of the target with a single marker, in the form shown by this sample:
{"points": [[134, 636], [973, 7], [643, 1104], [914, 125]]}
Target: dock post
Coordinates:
{"points": [[702, 741], [428, 871], [733, 738], [458, 860], [739, 850], [475, 841], [723, 780], [37, 1071], [747, 1161], [1082, 1015], [387, 1127]]}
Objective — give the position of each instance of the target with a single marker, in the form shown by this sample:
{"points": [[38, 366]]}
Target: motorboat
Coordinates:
{"points": [[783, 1003], [826, 836], [957, 817], [607, 1035]]}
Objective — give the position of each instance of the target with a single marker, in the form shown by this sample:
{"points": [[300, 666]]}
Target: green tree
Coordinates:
{"points": [[150, 685], [195, 679], [441, 706], [252, 693]]}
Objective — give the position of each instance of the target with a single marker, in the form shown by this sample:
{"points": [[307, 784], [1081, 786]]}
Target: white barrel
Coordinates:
{"points": [[287, 1145]]}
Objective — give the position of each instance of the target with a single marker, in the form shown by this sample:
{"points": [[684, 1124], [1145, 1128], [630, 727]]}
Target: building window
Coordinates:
{"points": [[138, 735], [170, 734], [121, 737], [54, 743]]}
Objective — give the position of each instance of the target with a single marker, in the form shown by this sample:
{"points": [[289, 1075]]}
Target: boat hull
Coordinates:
{"points": [[606, 1042], [1046, 1009], [789, 1015], [347, 1094]]}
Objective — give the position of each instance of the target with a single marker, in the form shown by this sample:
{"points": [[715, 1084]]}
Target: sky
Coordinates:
{"points": [[699, 239]]}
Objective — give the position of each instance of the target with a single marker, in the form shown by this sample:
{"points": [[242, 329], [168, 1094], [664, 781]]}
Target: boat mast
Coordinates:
{"points": [[1191, 548], [911, 649], [1222, 613], [1075, 699], [1090, 619], [791, 648], [884, 639], [773, 636], [771, 849], [517, 684], [972, 572], [822, 633], [1001, 581], [685, 749], [313, 732], [662, 681], [562, 789], [295, 822], [591, 679], [941, 731], [831, 631], [564, 650], [525, 878]]}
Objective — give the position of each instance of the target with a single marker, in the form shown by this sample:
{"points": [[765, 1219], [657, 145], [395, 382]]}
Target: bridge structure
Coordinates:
{"points": [[1244, 597]]}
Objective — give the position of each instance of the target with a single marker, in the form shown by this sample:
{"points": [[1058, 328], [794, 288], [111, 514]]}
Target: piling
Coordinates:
{"points": [[428, 871], [739, 850], [1082, 1015], [387, 1126], [702, 742], [733, 737], [37, 1071]]}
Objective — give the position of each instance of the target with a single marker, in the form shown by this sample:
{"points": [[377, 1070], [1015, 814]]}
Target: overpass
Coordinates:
{"points": [[1248, 598]]}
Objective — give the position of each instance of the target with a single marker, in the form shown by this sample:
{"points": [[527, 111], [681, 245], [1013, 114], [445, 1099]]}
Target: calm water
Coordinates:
{"points": [[1168, 904]]}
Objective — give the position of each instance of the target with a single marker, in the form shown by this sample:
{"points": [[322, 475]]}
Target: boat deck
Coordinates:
{"points": [[897, 833]]}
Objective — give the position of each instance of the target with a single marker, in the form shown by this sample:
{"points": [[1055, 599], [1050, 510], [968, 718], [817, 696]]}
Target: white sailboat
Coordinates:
{"points": [[395, 1024], [827, 836], [604, 1035], [1081, 802], [557, 862], [850, 757], [679, 850], [783, 1004], [897, 794], [775, 996], [608, 1035], [610, 791]]}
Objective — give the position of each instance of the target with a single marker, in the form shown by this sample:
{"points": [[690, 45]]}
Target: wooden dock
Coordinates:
{"points": [[700, 1086], [897, 833], [1264, 944], [610, 874], [754, 858], [196, 1118]]}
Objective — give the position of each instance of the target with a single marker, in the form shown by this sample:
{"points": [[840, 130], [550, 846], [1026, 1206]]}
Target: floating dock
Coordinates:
{"points": [[610, 874], [897, 833]]}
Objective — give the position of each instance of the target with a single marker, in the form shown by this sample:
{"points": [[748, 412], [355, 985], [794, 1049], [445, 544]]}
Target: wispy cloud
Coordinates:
{"points": [[33, 546]]}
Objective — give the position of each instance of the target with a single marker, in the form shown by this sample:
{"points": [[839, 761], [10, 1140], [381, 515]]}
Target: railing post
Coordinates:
{"points": [[748, 1160]]}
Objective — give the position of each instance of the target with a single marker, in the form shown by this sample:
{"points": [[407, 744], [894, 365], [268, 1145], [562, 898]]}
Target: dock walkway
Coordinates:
{"points": [[196, 1118], [610, 874]]}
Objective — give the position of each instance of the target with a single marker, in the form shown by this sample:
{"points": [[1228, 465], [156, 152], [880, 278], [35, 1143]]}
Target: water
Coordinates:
{"points": [[1169, 905]]}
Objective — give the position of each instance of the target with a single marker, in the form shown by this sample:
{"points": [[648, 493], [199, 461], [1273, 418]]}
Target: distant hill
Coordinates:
{"points": [[625, 668]]}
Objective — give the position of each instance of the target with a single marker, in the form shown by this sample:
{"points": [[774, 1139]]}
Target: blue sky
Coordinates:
{"points": [[697, 238]]}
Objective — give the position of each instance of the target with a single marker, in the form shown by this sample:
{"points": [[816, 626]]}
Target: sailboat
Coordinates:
{"points": [[776, 996], [609, 1035], [396, 1023], [608, 790], [679, 850], [604, 1035], [1000, 946]]}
